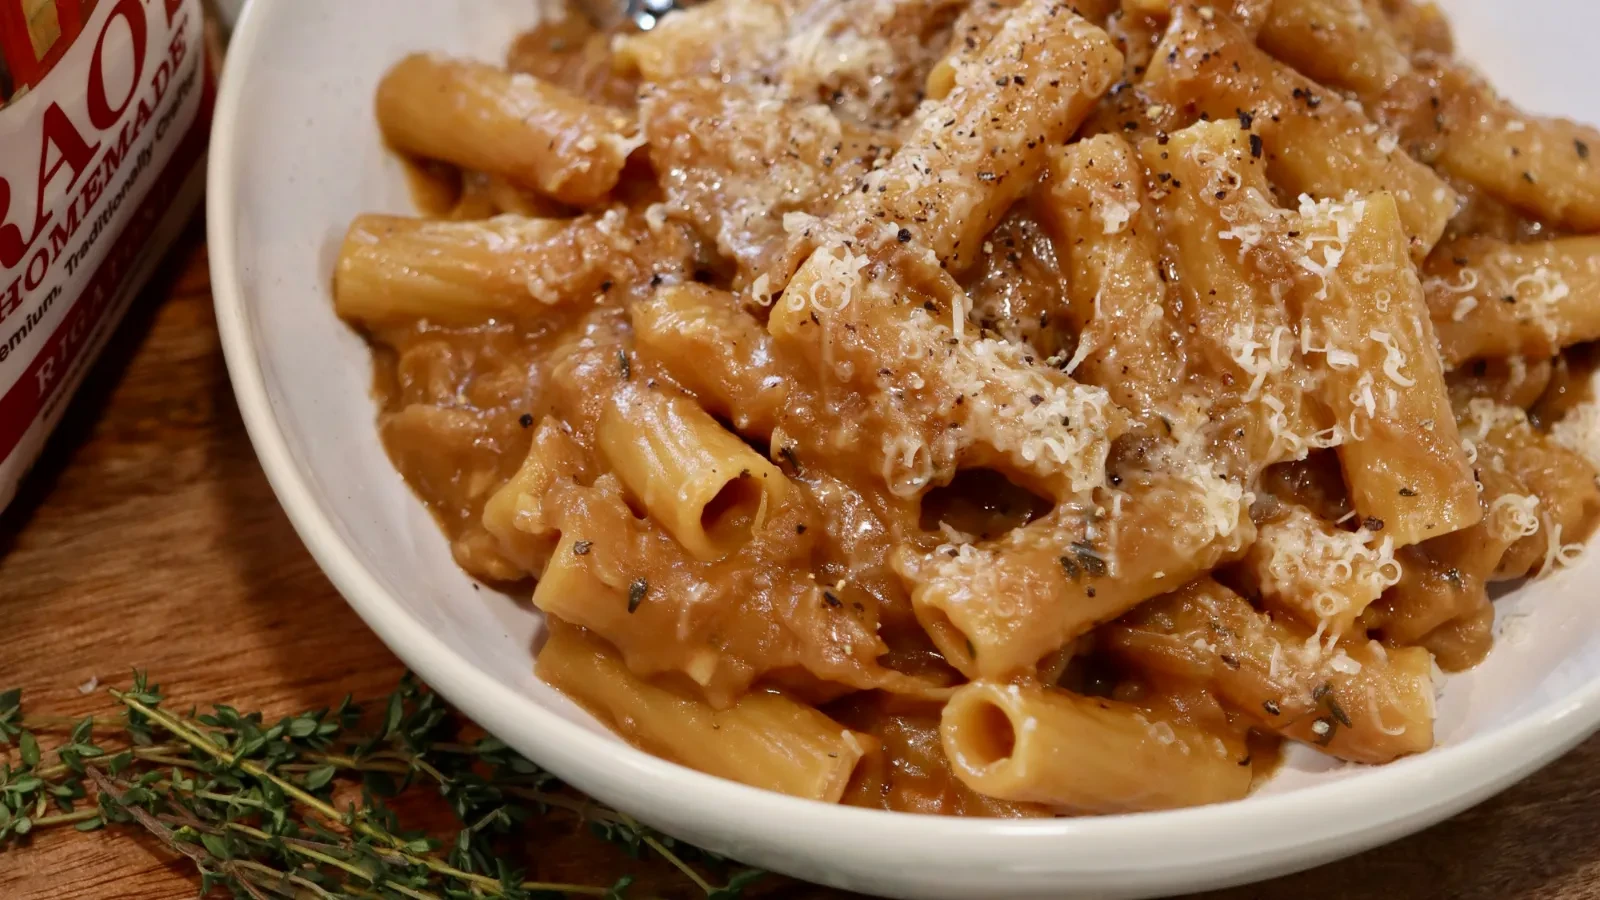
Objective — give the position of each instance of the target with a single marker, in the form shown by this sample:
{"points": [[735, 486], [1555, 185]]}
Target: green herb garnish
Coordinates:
{"points": [[252, 806]]}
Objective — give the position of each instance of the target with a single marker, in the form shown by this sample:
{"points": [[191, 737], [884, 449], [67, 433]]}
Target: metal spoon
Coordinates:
{"points": [[640, 14]]}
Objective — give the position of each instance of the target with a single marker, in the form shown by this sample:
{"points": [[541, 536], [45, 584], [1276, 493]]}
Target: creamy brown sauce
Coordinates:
{"points": [[657, 291]]}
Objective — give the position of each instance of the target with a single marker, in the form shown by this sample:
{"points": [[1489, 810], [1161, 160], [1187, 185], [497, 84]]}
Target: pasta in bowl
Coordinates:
{"points": [[1012, 410]]}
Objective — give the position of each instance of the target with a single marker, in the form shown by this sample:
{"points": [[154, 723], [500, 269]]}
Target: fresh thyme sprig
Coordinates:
{"points": [[301, 808]]}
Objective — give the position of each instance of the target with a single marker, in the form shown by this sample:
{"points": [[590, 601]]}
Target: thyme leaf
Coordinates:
{"points": [[262, 809]]}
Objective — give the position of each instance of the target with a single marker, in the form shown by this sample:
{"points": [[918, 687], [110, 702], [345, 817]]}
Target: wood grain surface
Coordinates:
{"points": [[149, 538]]}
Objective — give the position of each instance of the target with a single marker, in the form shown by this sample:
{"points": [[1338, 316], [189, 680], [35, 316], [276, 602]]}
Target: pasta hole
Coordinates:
{"points": [[1089, 675], [1316, 482], [731, 515], [761, 447], [993, 738], [981, 502]]}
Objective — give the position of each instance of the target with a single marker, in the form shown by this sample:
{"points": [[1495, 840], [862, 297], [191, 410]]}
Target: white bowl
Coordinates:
{"points": [[295, 155]]}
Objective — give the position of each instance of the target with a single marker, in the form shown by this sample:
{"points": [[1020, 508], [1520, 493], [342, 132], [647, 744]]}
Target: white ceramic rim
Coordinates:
{"points": [[1386, 802]]}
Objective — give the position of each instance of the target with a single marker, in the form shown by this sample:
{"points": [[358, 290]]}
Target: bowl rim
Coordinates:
{"points": [[1388, 801]]}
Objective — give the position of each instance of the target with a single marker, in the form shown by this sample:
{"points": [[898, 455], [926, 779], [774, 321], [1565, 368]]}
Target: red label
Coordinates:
{"points": [[51, 369]]}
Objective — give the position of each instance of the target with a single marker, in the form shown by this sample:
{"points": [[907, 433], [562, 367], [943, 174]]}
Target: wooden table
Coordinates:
{"points": [[149, 538]]}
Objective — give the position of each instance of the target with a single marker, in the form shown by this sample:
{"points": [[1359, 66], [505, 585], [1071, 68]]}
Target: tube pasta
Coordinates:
{"points": [[1084, 754], [983, 403], [1401, 453], [727, 178], [1464, 641], [394, 270], [482, 117], [1340, 43], [1247, 14], [1357, 701], [712, 625], [1420, 27], [1536, 164], [1215, 210], [996, 609], [1318, 573], [1315, 144], [703, 484], [1493, 299], [717, 351], [704, 40], [973, 30], [1555, 488], [1094, 205], [979, 149], [1446, 578], [1532, 163], [766, 739], [515, 513], [909, 732]]}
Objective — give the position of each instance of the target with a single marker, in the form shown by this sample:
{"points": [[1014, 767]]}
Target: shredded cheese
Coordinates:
{"points": [[1514, 629], [1485, 416], [1579, 431], [1316, 242], [1243, 347], [1394, 359], [1336, 569], [1556, 554], [838, 276], [1115, 214], [1537, 294], [1514, 516]]}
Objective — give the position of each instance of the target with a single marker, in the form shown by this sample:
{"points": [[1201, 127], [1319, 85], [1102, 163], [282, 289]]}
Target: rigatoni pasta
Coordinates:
{"points": [[1316, 144], [512, 124], [395, 271], [1401, 453], [1009, 408], [1357, 700], [1095, 206], [765, 739], [1084, 754], [704, 485], [1492, 299]]}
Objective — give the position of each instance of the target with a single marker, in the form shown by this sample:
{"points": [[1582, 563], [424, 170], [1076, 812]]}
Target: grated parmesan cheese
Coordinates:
{"points": [[1048, 425], [1469, 283], [1085, 347], [1362, 395], [1319, 216], [1514, 516], [1336, 569], [1556, 554], [1514, 629], [1342, 663], [1485, 416], [1114, 215], [1537, 294], [839, 276], [1332, 355], [1394, 359], [1044, 423], [1579, 431], [1243, 347]]}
